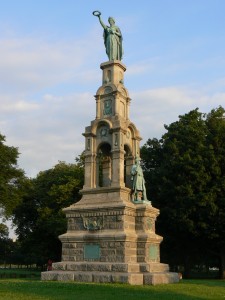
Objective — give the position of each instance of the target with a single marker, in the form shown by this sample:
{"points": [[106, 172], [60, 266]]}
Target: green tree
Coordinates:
{"points": [[180, 173], [215, 123], [11, 178], [6, 245], [39, 218], [4, 231]]}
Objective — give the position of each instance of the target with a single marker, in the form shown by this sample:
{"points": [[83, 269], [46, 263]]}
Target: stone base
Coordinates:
{"points": [[115, 277], [134, 274], [110, 239]]}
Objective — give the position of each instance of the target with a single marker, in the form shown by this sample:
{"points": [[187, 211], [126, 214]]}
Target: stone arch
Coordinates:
{"points": [[133, 130], [102, 90], [103, 122], [123, 91]]}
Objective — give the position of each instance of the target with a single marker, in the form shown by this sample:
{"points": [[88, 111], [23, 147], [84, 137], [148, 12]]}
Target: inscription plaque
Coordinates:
{"points": [[153, 252], [91, 252]]}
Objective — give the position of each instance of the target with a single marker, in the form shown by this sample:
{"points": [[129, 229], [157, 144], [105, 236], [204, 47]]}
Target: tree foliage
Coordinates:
{"points": [[5, 244], [184, 171], [39, 218], [11, 178]]}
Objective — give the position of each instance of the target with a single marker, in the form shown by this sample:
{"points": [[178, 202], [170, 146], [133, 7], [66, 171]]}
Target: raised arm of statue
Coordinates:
{"points": [[101, 22]]}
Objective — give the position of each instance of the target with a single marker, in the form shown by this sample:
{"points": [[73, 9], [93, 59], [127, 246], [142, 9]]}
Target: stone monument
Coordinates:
{"points": [[111, 231]]}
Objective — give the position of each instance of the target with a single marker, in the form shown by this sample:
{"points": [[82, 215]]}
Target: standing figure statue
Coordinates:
{"points": [[138, 186], [112, 38]]}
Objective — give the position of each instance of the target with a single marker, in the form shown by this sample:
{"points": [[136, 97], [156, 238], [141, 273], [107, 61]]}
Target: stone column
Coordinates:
{"points": [[90, 171], [118, 168], [98, 107]]}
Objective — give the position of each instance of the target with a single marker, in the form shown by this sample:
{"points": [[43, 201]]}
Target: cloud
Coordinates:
{"points": [[50, 129], [142, 67], [46, 92], [30, 64], [11, 105], [51, 132], [151, 109], [41, 112]]}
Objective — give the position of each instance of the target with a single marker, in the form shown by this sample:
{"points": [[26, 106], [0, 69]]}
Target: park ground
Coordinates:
{"points": [[33, 288]]}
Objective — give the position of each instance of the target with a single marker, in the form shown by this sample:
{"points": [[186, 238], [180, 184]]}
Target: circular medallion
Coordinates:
{"points": [[103, 132]]}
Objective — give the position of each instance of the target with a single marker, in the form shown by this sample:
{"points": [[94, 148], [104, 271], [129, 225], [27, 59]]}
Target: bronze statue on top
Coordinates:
{"points": [[112, 38]]}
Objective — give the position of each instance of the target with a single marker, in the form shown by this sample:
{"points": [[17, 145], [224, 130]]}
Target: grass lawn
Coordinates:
{"points": [[19, 273], [18, 289]]}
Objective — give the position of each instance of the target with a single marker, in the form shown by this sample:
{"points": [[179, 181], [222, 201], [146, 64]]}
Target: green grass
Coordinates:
{"points": [[20, 273], [45, 290]]}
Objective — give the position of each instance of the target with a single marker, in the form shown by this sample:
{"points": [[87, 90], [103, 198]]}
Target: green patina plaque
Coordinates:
{"points": [[153, 252], [91, 252]]}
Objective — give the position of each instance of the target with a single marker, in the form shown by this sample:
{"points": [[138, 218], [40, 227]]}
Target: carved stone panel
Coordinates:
{"points": [[150, 224], [93, 223], [75, 224]]}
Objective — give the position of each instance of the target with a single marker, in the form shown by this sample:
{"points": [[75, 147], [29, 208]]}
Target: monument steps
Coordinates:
{"points": [[134, 278], [110, 267]]}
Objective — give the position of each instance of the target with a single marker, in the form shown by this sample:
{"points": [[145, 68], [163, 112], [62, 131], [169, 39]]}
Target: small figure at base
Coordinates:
{"points": [[49, 265]]}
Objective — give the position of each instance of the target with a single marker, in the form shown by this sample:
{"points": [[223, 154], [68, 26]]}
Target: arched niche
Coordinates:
{"points": [[134, 131], [104, 165], [128, 162], [97, 126]]}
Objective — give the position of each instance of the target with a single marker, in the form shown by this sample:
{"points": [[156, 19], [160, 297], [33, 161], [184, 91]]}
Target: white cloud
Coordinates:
{"points": [[142, 66], [11, 105], [51, 128], [31, 64], [52, 132], [151, 109], [44, 124]]}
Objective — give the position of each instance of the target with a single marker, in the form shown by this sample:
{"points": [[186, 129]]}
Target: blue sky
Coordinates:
{"points": [[51, 50]]}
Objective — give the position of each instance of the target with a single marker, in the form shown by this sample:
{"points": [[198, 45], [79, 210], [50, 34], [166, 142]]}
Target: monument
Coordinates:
{"points": [[111, 231]]}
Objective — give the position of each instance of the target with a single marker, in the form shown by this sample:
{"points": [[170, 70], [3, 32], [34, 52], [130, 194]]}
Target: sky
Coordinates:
{"points": [[50, 56]]}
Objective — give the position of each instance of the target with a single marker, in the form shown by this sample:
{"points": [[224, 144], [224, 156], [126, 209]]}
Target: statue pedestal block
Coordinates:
{"points": [[111, 239]]}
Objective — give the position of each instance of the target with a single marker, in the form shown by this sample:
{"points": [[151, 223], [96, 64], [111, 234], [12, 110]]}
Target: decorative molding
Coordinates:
{"points": [[150, 224]]}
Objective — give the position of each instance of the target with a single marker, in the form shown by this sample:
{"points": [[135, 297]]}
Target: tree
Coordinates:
{"points": [[4, 231], [11, 178], [39, 218], [5, 245], [215, 123], [180, 171]]}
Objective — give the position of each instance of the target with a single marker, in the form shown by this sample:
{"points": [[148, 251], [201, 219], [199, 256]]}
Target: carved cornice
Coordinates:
{"points": [[113, 63]]}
